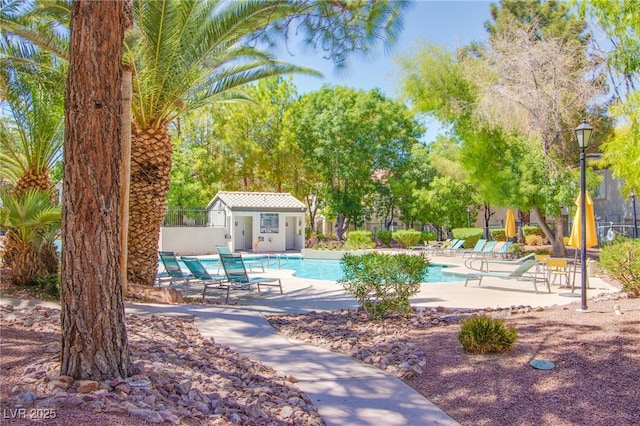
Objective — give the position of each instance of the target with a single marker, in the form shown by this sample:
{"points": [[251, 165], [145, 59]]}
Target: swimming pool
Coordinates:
{"points": [[328, 269]]}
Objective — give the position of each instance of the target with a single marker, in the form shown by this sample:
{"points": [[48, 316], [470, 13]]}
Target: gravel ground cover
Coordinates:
{"points": [[596, 355]]}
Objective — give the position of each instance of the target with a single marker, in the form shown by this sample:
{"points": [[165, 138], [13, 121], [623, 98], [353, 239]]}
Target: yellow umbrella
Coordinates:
{"points": [[510, 224], [576, 229]]}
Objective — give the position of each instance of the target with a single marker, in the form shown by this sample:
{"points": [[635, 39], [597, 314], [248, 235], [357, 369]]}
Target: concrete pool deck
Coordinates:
{"points": [[304, 295]]}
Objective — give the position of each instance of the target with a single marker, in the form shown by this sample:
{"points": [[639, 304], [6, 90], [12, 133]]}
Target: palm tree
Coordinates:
{"points": [[192, 53], [31, 133], [32, 223], [184, 55]]}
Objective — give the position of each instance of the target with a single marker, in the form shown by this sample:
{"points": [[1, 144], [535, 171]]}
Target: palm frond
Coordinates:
{"points": [[29, 215], [182, 46], [31, 136]]}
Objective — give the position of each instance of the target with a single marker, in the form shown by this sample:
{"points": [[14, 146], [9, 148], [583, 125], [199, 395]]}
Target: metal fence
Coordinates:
{"points": [[607, 231], [186, 216]]}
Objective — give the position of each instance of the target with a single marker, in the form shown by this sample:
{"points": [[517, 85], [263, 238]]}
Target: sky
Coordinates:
{"points": [[450, 23]]}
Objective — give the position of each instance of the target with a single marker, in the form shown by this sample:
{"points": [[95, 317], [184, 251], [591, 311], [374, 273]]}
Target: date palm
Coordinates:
{"points": [[31, 131], [184, 55], [32, 223]]}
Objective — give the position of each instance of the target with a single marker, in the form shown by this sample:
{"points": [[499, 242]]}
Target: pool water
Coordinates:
{"points": [[330, 269]]}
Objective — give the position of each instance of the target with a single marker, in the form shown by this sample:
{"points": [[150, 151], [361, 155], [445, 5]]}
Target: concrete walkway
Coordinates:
{"points": [[345, 392]]}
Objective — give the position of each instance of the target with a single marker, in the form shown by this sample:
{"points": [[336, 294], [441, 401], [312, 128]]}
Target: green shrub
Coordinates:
{"points": [[407, 237], [543, 251], [498, 234], [533, 240], [469, 235], [358, 240], [533, 230], [481, 335], [383, 283], [622, 262], [49, 287], [384, 235], [516, 249], [428, 236], [328, 245]]}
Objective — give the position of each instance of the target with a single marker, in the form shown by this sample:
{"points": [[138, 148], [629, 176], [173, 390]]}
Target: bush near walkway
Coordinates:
{"points": [[383, 283], [622, 262]]}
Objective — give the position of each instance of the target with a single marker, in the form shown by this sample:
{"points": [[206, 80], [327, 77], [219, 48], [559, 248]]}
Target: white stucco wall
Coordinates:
{"points": [[187, 241], [249, 223]]}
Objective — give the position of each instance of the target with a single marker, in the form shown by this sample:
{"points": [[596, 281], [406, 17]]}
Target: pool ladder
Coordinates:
{"points": [[277, 259]]}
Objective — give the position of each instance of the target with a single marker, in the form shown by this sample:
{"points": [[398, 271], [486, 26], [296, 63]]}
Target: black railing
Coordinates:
{"points": [[186, 216]]}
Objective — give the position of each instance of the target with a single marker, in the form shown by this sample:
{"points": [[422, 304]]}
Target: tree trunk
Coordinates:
{"points": [[487, 217], [150, 169], [94, 338], [341, 226], [557, 244]]}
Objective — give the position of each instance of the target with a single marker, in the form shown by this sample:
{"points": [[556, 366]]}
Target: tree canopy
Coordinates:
{"points": [[353, 138]]}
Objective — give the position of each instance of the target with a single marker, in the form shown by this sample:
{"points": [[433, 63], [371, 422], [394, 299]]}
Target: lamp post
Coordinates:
{"points": [[633, 204], [469, 217], [583, 135]]}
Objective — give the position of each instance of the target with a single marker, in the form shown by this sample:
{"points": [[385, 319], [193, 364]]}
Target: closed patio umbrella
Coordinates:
{"points": [[576, 229], [510, 224], [575, 240]]}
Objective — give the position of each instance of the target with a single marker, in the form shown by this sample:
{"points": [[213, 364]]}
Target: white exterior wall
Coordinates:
{"points": [[289, 223], [188, 241]]}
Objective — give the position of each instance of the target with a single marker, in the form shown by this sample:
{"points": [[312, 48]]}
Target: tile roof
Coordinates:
{"points": [[259, 201]]}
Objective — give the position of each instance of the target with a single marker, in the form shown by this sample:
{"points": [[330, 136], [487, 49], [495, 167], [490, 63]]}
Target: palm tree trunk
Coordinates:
{"points": [[151, 151], [126, 174], [30, 180]]}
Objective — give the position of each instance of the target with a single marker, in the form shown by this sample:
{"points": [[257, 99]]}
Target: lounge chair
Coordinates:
{"points": [[456, 247], [173, 272], [200, 274], [236, 273], [476, 249], [486, 250], [501, 249], [522, 273], [484, 262], [437, 247], [223, 249]]}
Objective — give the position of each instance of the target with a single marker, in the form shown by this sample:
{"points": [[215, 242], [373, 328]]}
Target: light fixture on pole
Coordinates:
{"points": [[583, 135], [468, 217], [633, 204]]}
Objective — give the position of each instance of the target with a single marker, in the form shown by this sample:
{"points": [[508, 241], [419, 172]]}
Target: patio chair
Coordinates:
{"points": [[557, 267], [200, 274], [522, 273], [484, 262], [476, 249], [486, 250], [438, 247], [224, 249], [172, 270], [501, 249], [455, 248], [236, 273]]}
